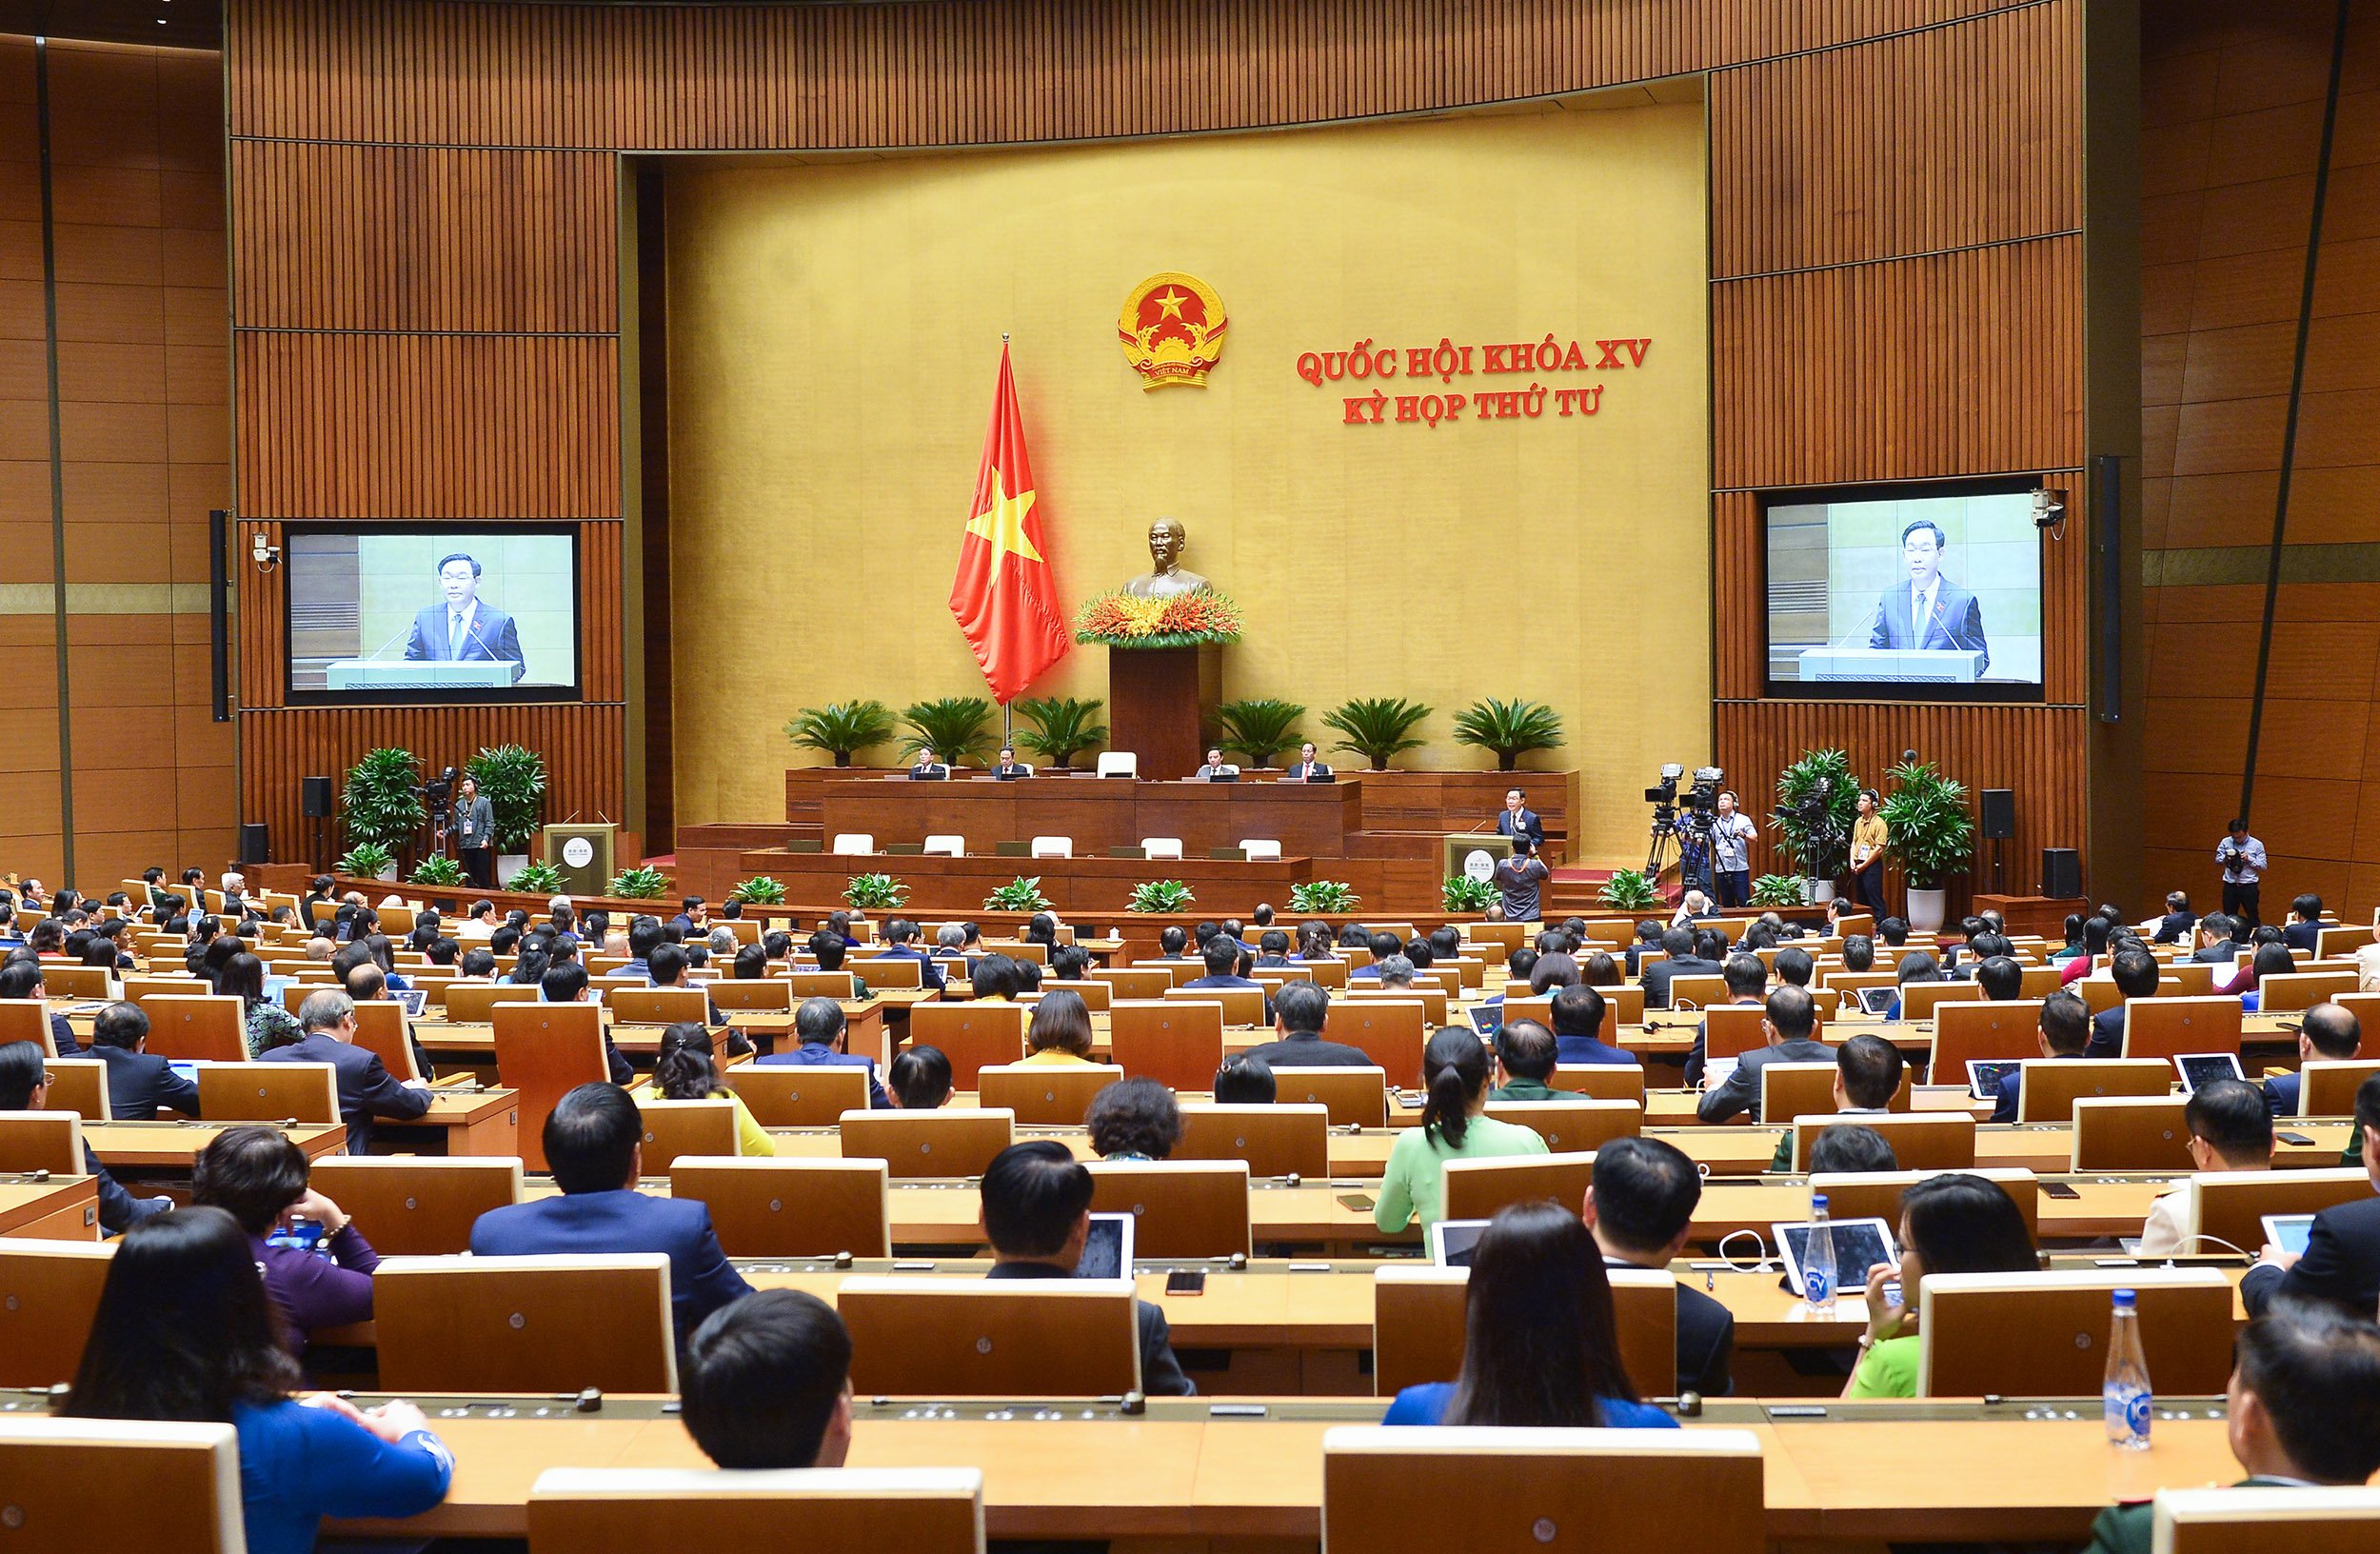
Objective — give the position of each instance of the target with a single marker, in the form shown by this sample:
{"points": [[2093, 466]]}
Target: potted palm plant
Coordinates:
{"points": [[1817, 798], [1258, 728], [513, 780], [381, 803], [1057, 729], [1511, 729], [841, 728], [953, 726], [1377, 727], [1931, 835]]}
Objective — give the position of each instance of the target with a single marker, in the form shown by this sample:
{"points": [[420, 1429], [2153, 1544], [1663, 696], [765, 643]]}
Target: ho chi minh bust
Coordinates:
{"points": [[1167, 540]]}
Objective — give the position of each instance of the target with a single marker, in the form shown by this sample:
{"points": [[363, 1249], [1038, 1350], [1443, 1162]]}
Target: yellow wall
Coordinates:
{"points": [[834, 337]]}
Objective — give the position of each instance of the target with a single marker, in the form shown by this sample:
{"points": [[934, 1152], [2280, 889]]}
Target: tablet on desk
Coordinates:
{"points": [[1859, 1244], [186, 1072], [1984, 1075], [2204, 1068], [412, 999], [2288, 1231], [1878, 1000], [1487, 1019], [1107, 1252], [1452, 1241]]}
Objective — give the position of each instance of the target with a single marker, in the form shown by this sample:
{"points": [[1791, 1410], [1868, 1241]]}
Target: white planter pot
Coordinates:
{"points": [[510, 864], [1927, 909], [388, 873], [1818, 892]]}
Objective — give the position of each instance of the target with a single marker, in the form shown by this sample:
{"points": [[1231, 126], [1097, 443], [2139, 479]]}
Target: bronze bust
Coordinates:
{"points": [[1168, 539]]}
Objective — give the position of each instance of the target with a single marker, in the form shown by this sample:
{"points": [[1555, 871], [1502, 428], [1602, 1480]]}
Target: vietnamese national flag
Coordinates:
{"points": [[1003, 595]]}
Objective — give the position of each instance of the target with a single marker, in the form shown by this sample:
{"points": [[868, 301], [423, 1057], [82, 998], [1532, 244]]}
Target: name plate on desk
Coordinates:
{"points": [[1938, 666], [417, 675]]}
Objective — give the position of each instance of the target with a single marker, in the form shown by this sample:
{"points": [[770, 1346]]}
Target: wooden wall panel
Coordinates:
{"points": [[2030, 750], [741, 77], [416, 238], [1953, 364], [428, 426], [1943, 139]]}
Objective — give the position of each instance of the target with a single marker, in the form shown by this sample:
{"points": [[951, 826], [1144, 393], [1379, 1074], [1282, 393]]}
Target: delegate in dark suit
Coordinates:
{"points": [[2280, 1094], [2174, 927], [1742, 1090], [489, 636], [929, 975], [367, 1089], [1955, 619], [1527, 823], [2341, 1265], [1306, 1049], [139, 1083], [1245, 985], [1658, 977], [2106, 1034], [818, 1055], [1706, 1340], [701, 1278], [1160, 1373]]}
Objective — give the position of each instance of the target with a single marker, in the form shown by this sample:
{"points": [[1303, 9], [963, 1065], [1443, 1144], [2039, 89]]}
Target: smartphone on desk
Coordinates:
{"points": [[1361, 1203], [1186, 1282], [2059, 1190]]}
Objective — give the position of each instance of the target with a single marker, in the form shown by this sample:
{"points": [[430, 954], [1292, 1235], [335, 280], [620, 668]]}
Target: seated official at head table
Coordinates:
{"points": [[594, 1143], [1540, 1339], [1036, 1215]]}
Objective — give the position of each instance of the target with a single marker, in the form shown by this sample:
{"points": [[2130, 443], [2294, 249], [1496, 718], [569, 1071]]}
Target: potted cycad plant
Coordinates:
{"points": [[1377, 727], [841, 728], [1258, 728], [953, 726], [1509, 730], [1931, 833], [1057, 729]]}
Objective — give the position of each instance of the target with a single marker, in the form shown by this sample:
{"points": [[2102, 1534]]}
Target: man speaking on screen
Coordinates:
{"points": [[459, 626], [1929, 610]]}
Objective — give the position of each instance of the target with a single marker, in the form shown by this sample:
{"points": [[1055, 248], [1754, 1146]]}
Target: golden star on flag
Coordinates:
{"points": [[1171, 301], [1003, 523]]}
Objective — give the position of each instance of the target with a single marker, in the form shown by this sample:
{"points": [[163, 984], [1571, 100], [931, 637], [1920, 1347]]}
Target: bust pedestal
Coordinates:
{"points": [[1160, 703]]}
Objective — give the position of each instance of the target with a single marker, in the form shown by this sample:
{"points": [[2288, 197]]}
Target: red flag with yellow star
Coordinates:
{"points": [[1004, 597]]}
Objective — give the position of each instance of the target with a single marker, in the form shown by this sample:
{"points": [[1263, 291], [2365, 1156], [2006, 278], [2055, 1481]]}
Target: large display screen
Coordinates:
{"points": [[1905, 592], [419, 613]]}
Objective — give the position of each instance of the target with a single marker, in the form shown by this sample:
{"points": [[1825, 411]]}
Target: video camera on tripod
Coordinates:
{"points": [[438, 793], [1813, 816], [1683, 819]]}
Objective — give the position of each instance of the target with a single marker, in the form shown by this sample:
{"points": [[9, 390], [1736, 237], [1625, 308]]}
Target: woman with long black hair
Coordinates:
{"points": [[1454, 1070], [1540, 1344], [686, 1067], [183, 1331]]}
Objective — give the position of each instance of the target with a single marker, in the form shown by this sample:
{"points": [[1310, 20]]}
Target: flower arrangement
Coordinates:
{"points": [[1182, 620]]}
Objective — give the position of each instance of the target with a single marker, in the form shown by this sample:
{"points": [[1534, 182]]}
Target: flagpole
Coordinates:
{"points": [[1007, 738]]}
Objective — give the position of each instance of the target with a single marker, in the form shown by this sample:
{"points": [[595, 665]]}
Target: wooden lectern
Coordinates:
{"points": [[1458, 851], [1160, 702], [582, 853]]}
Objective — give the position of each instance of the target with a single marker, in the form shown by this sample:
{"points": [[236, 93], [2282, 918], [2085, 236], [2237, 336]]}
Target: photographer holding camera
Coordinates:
{"points": [[2242, 859], [1731, 834]]}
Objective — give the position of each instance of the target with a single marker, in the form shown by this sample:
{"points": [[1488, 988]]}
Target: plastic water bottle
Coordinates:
{"points": [[1817, 1260], [2126, 1396]]}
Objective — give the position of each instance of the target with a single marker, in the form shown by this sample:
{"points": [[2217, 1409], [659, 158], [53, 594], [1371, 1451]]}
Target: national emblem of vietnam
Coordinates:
{"points": [[1171, 331]]}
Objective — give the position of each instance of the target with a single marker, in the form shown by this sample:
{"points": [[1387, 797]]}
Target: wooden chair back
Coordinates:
{"points": [[798, 1095], [659, 1006], [2047, 1088], [2230, 1205], [2044, 1335], [1243, 1007], [2130, 1133], [1695, 990], [1405, 1492], [1919, 999], [1017, 1338], [1044, 1095], [79, 1086], [137, 987], [268, 1092], [1098, 997], [83, 981], [1922, 1141], [418, 1205], [1177, 1044], [88, 1483], [1180, 1208], [1476, 1188], [2041, 981], [42, 1141], [632, 1511], [2191, 979], [1432, 998], [1355, 1097], [1574, 1127], [1389, 1031], [970, 1035], [1730, 1030], [765, 995], [2171, 1027], [956, 1141], [1134, 981], [1272, 1140], [2326, 1086], [48, 1293], [835, 984], [1983, 1030], [1793, 1090], [27, 1020], [197, 1025], [685, 1127], [1860, 1195], [1601, 1081], [1418, 1321], [788, 1206], [878, 970], [380, 1030], [479, 1325], [2301, 989], [473, 1004], [2276, 1521], [544, 1052]]}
